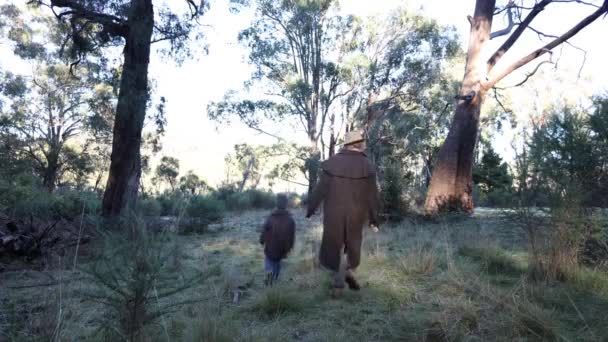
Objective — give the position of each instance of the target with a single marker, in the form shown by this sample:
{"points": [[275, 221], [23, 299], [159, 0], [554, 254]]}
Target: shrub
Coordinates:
{"points": [[170, 202], [134, 276], [259, 199], [393, 189], [25, 196], [238, 201], [206, 207], [149, 206], [223, 192], [71, 204]]}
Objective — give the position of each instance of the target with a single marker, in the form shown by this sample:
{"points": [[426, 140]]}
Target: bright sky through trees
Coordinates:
{"points": [[194, 140]]}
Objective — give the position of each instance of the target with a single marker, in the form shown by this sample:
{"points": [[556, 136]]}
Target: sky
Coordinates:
{"points": [[201, 145]]}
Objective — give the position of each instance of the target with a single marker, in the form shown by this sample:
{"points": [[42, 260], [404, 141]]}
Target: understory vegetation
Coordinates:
{"points": [[457, 278]]}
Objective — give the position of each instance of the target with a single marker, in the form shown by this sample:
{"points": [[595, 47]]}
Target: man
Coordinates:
{"points": [[278, 236], [350, 194]]}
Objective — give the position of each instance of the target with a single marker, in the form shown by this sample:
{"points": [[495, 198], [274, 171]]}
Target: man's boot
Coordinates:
{"points": [[352, 282]]}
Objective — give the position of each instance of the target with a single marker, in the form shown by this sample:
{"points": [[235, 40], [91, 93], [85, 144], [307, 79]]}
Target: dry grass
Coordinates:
{"points": [[456, 280]]}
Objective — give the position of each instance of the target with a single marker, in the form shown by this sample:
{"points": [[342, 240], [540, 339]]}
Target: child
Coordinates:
{"points": [[278, 236]]}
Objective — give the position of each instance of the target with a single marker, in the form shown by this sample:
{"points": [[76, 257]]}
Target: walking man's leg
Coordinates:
{"points": [[339, 276], [268, 268], [276, 269]]}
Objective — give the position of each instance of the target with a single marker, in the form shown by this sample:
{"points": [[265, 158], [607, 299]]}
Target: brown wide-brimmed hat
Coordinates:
{"points": [[353, 137]]}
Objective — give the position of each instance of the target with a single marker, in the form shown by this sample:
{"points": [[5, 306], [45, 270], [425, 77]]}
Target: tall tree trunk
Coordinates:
{"points": [[332, 135], [312, 166], [125, 167], [451, 183], [50, 173]]}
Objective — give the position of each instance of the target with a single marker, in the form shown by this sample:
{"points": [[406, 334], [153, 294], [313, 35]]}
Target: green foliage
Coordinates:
{"points": [[25, 197], [206, 207], [393, 187], [192, 183], [135, 277], [250, 199], [49, 123], [168, 170], [149, 207], [261, 199], [493, 180], [567, 156]]}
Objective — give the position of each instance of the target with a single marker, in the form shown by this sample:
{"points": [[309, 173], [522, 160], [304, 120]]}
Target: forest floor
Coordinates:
{"points": [[456, 279]]}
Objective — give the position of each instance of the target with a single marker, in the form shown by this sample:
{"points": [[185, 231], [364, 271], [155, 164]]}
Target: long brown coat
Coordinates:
{"points": [[350, 195], [278, 234]]}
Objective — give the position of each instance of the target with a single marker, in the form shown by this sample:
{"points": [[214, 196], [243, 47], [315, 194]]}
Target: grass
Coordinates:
{"points": [[493, 260], [277, 302], [462, 280]]}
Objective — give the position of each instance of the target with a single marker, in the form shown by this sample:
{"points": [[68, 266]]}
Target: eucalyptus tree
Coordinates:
{"points": [[134, 25], [451, 183], [294, 48], [50, 108]]}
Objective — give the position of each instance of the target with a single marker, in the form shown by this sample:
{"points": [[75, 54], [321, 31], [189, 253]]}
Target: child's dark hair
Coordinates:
{"points": [[282, 201]]}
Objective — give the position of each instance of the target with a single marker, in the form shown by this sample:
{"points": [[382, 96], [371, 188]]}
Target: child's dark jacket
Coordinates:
{"points": [[278, 234]]}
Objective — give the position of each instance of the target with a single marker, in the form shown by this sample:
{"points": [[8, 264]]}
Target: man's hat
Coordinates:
{"points": [[353, 137]]}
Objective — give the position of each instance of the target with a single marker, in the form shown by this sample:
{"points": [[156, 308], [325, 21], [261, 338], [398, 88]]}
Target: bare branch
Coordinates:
{"points": [[542, 34], [510, 25], [493, 79], [259, 130], [528, 75], [539, 7], [578, 2]]}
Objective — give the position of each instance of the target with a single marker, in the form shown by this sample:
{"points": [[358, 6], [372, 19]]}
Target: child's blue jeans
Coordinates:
{"points": [[272, 266]]}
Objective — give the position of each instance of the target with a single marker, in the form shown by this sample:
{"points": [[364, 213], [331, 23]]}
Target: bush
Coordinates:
{"points": [[206, 207], [393, 189], [25, 197], [135, 276], [71, 204], [169, 203], [149, 206], [223, 192], [259, 199], [238, 201]]}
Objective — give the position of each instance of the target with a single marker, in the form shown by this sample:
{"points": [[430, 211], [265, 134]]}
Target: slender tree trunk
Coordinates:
{"points": [[451, 183], [332, 135], [312, 166], [125, 167]]}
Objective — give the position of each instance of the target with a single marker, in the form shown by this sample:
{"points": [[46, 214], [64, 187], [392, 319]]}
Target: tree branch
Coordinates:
{"points": [[493, 79], [539, 7], [528, 75], [578, 2], [114, 25], [542, 34], [510, 25]]}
